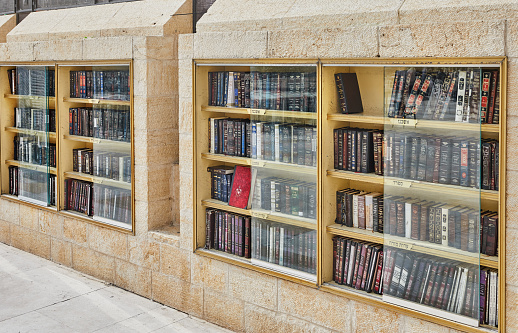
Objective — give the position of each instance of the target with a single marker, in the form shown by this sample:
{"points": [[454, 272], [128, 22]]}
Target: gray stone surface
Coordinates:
{"points": [[40, 296]]}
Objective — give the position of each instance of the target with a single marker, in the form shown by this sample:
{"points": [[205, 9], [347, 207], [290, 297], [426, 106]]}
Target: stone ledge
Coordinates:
{"points": [[169, 235]]}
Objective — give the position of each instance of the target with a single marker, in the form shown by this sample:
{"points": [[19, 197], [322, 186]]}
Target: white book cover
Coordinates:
{"points": [[369, 216], [253, 139], [272, 195], [212, 133], [277, 143], [453, 292], [462, 291], [425, 283], [271, 246], [259, 143], [281, 246], [230, 91], [351, 263], [460, 96], [467, 96], [492, 298], [355, 210], [444, 224], [121, 168], [408, 219]]}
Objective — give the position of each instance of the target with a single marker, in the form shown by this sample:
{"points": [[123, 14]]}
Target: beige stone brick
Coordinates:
{"points": [[5, 232], [320, 308], [511, 202], [7, 23], [30, 241], [179, 24], [105, 48], [139, 79], [215, 45], [511, 251], [10, 211], [186, 154], [22, 51], [186, 235], [185, 46], [162, 78], [4, 55], [185, 115], [62, 49], [386, 321], [511, 308], [162, 47], [162, 148], [75, 231], [178, 294], [456, 39], [29, 217], [261, 320], [93, 263], [223, 310], [133, 278], [141, 178], [512, 153], [422, 326], [141, 217], [176, 262], [186, 181], [168, 235], [512, 89], [160, 214], [162, 113], [140, 147], [144, 253], [139, 48], [110, 242], [61, 252], [139, 113], [327, 43], [253, 287], [185, 78], [209, 273], [51, 223]]}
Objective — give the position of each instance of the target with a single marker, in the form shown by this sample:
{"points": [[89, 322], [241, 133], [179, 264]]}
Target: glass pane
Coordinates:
{"points": [[432, 206], [31, 127]]}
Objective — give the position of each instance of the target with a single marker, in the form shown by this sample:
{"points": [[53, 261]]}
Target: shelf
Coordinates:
{"points": [[284, 218], [29, 166], [416, 184], [95, 101], [357, 233], [30, 97], [413, 245], [285, 270], [52, 135], [227, 159], [98, 180], [100, 220], [216, 204], [413, 123], [260, 112], [95, 140], [342, 288]]}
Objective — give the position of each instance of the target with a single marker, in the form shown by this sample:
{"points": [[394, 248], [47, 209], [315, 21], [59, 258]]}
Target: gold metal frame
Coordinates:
{"points": [[323, 124]]}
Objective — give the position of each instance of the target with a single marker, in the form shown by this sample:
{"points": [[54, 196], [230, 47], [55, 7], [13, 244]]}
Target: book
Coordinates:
{"points": [[240, 188], [348, 93]]}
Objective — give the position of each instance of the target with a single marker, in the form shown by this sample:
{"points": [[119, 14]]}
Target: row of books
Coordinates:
{"points": [[105, 84], [228, 232], [116, 166], [489, 297], [221, 177], [449, 225], [229, 136], [285, 196], [32, 184], [112, 203], [78, 196], [465, 95], [284, 245], [34, 150], [288, 91], [110, 123], [358, 264], [358, 150], [35, 119], [31, 81]]}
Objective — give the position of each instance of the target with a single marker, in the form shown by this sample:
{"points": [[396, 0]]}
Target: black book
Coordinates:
{"points": [[405, 272], [445, 161], [455, 162], [350, 102], [396, 274]]}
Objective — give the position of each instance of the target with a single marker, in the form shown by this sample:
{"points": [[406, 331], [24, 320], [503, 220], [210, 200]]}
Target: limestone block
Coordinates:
{"points": [[141, 182], [185, 78], [458, 39], [511, 251], [511, 203], [35, 26], [209, 273], [162, 113], [141, 144], [133, 278], [216, 45], [386, 321], [186, 235], [168, 235], [324, 309], [5, 232], [10, 211], [30, 241], [185, 115], [23, 51], [144, 253], [107, 48], [178, 294], [75, 231], [139, 113], [324, 43], [93, 263], [162, 47], [62, 49], [141, 217], [186, 183], [253, 287], [185, 46], [110, 242], [51, 223], [422, 326], [7, 23], [4, 56], [512, 140], [162, 78], [139, 48], [139, 83], [29, 217], [186, 154], [180, 23], [162, 148], [512, 89], [415, 11], [160, 213], [223, 310], [61, 252], [511, 308], [260, 320], [175, 262]]}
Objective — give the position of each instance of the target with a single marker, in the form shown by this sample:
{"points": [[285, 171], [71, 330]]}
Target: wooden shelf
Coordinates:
{"points": [[212, 203], [413, 245], [96, 141], [95, 101], [30, 97], [52, 135], [227, 159], [97, 180], [425, 186], [29, 166], [357, 118], [100, 221], [342, 288], [260, 112]]}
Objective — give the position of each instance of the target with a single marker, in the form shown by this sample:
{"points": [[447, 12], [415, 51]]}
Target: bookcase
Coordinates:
{"points": [[66, 131], [444, 219]]}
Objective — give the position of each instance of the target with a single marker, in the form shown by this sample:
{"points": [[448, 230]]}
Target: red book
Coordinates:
{"points": [[241, 185]]}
